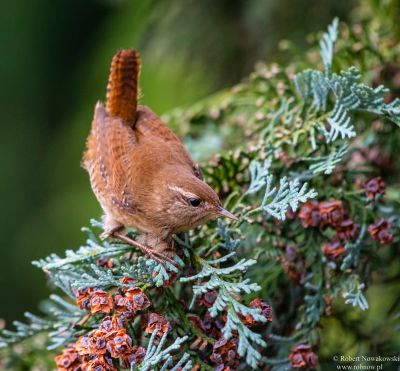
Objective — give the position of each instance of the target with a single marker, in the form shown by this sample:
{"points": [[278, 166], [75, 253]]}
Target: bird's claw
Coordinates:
{"points": [[159, 257], [153, 254]]}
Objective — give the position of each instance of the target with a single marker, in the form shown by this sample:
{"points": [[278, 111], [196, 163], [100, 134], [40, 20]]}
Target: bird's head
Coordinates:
{"points": [[191, 202]]}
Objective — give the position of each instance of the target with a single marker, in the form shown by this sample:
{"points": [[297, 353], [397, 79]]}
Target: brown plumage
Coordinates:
{"points": [[139, 169], [122, 90]]}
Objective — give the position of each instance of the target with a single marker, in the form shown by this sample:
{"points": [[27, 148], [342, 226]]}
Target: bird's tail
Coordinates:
{"points": [[122, 88]]}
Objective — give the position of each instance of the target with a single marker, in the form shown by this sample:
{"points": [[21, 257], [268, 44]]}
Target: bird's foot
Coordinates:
{"points": [[153, 254]]}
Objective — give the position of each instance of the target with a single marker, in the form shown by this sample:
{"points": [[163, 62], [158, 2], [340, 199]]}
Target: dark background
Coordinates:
{"points": [[55, 56]]}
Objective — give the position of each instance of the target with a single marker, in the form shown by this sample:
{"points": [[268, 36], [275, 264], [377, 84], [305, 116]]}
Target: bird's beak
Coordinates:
{"points": [[227, 214]]}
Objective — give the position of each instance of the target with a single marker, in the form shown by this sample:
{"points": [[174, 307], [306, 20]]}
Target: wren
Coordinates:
{"points": [[139, 170]]}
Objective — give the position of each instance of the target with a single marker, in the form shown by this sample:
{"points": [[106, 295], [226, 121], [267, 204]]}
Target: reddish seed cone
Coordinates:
{"points": [[380, 232]]}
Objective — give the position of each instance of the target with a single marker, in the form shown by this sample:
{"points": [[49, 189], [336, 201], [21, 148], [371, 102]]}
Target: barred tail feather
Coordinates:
{"points": [[122, 88]]}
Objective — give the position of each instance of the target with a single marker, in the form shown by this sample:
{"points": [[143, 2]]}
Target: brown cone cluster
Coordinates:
{"points": [[302, 357], [225, 354], [100, 349], [374, 187], [333, 250], [330, 214], [207, 299], [110, 344], [68, 360], [380, 232], [293, 264], [322, 214], [265, 311], [95, 300], [155, 322], [132, 301]]}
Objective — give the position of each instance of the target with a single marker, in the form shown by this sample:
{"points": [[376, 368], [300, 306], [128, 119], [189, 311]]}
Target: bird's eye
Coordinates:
{"points": [[194, 201]]}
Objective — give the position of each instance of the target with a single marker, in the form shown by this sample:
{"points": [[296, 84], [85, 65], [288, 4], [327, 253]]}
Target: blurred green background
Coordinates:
{"points": [[54, 65]]}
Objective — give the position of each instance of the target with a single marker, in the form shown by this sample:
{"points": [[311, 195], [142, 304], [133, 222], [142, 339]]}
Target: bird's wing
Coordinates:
{"points": [[112, 141], [149, 125]]}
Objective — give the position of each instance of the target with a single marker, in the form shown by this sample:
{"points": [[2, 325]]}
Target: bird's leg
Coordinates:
{"points": [[112, 228], [153, 254]]}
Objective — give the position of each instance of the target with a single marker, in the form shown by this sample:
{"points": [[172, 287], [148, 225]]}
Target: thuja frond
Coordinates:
{"points": [[161, 274], [226, 289], [155, 355], [78, 271], [353, 250], [356, 298], [66, 279], [340, 124], [391, 111], [258, 175], [290, 193], [24, 330], [327, 44], [349, 94], [326, 164], [149, 271], [208, 269], [184, 364], [94, 276], [277, 200], [59, 324], [246, 338], [314, 304], [66, 316], [80, 277], [312, 84], [87, 253], [228, 242], [219, 279]]}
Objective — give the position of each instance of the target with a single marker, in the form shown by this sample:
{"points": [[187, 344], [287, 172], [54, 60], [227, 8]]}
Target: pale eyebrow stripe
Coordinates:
{"points": [[182, 191]]}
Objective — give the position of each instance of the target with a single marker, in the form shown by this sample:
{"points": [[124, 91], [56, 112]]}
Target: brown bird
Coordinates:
{"points": [[140, 171]]}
